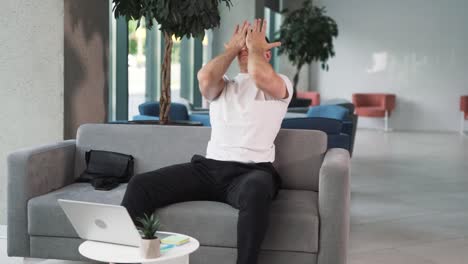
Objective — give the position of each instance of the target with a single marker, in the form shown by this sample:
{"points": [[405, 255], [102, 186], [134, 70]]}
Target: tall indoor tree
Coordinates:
{"points": [[179, 18], [306, 36]]}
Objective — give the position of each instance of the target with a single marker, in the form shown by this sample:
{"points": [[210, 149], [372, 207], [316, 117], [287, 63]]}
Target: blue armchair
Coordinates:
{"points": [[178, 111], [150, 111], [343, 112], [332, 127], [202, 118]]}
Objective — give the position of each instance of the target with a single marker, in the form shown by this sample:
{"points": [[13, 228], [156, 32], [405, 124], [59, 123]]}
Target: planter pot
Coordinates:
{"points": [[150, 248]]}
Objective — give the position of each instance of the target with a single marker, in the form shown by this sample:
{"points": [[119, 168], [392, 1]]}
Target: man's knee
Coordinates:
{"points": [[258, 187], [135, 182], [139, 181]]}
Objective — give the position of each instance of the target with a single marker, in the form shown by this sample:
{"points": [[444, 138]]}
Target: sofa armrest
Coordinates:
{"points": [[334, 199], [389, 102], [34, 172], [464, 103]]}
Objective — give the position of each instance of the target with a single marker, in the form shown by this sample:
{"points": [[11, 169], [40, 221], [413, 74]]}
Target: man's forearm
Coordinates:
{"points": [[262, 72], [210, 77], [257, 65]]}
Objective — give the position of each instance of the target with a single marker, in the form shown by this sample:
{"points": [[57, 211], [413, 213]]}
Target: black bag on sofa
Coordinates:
{"points": [[106, 170]]}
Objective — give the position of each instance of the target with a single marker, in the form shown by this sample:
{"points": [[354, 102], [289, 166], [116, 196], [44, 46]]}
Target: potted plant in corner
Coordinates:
{"points": [[150, 243], [306, 35], [176, 18]]}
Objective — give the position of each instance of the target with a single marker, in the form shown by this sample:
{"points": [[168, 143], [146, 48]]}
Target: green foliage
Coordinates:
{"points": [[188, 18], [307, 34], [150, 224], [132, 26], [132, 46]]}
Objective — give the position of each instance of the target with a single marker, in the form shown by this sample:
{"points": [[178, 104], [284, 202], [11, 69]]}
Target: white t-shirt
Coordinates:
{"points": [[245, 121]]}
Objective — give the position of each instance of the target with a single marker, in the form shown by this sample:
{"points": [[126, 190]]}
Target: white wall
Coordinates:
{"points": [[31, 78], [423, 50]]}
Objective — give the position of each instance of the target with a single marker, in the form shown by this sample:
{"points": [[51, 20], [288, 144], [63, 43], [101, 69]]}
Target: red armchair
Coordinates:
{"points": [[313, 96], [464, 111], [374, 105]]}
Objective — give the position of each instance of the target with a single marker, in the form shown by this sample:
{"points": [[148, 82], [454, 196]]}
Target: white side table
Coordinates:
{"points": [[112, 253]]}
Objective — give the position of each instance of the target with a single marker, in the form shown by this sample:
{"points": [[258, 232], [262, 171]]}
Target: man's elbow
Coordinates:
{"points": [[203, 77], [205, 84], [260, 78], [267, 83], [257, 75], [280, 93], [203, 81]]}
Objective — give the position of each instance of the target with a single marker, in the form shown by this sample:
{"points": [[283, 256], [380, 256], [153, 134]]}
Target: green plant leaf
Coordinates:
{"points": [[149, 225], [307, 35]]}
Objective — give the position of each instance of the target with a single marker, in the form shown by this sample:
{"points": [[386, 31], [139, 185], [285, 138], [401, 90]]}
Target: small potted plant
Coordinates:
{"points": [[150, 243]]}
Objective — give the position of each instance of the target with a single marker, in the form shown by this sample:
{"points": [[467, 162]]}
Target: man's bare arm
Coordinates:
{"points": [[265, 77], [211, 75], [261, 71]]}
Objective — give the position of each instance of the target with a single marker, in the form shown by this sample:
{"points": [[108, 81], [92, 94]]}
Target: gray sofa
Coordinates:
{"points": [[309, 219]]}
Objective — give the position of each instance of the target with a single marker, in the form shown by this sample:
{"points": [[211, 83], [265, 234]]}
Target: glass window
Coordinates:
{"points": [[136, 58], [175, 69], [207, 46], [207, 56], [136, 66], [274, 23]]}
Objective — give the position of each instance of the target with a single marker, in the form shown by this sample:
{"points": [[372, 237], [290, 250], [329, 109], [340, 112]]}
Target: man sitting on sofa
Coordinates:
{"points": [[246, 114]]}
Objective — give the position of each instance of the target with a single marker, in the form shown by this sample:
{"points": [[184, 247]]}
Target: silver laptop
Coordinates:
{"points": [[101, 222]]}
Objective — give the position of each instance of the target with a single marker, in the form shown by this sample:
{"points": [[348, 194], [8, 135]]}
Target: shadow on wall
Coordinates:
{"points": [[74, 75], [86, 63]]}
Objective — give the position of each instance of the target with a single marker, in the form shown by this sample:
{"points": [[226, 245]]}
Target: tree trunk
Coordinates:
{"points": [[165, 99], [296, 80]]}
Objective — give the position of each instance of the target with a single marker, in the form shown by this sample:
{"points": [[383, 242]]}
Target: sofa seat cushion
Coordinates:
{"points": [[294, 221], [371, 111], [46, 217]]}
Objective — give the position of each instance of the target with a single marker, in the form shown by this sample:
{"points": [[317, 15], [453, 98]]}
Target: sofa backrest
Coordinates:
{"points": [[328, 111], [384, 100], [299, 153]]}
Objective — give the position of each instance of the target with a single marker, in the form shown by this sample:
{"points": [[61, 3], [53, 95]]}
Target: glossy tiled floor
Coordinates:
{"points": [[409, 200]]}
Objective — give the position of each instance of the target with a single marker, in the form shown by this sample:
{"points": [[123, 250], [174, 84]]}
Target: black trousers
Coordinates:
{"points": [[247, 187]]}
